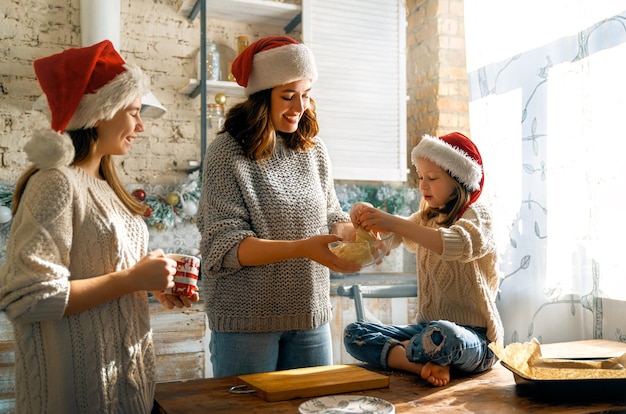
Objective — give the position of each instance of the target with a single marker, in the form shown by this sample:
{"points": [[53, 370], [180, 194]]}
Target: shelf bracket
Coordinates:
{"points": [[194, 10], [195, 92], [293, 23]]}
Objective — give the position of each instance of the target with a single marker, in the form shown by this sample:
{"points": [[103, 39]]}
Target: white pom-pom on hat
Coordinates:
{"points": [[49, 149]]}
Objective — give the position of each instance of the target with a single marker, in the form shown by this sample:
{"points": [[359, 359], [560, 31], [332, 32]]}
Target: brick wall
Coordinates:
{"points": [[436, 71], [154, 36]]}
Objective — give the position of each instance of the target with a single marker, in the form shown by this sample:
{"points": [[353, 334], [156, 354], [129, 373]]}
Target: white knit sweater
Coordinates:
{"points": [[461, 284], [286, 197], [72, 226]]}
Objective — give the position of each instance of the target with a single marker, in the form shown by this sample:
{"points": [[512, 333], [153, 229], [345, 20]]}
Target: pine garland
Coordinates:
{"points": [[164, 211]]}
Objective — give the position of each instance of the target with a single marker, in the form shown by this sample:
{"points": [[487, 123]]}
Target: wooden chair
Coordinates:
{"points": [[358, 292]]}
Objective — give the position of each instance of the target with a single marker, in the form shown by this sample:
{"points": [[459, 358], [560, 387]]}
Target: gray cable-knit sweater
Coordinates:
{"points": [[286, 197], [72, 226]]}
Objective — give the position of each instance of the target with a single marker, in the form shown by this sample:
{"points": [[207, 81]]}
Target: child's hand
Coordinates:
{"points": [[356, 210], [371, 218]]}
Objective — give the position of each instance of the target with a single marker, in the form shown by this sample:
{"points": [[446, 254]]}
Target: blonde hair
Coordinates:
{"points": [[448, 214]]}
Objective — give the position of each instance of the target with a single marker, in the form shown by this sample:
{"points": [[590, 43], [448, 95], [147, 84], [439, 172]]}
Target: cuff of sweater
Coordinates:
{"points": [[452, 244], [231, 258], [51, 308]]}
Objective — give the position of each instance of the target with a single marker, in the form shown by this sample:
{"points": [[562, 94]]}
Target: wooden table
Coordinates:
{"points": [[494, 391]]}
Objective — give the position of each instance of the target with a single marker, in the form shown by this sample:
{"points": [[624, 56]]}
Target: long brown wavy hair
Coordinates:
{"points": [[449, 213], [83, 140], [249, 122]]}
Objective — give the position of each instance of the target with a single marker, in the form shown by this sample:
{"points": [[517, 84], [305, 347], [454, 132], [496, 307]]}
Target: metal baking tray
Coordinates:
{"points": [[593, 389]]}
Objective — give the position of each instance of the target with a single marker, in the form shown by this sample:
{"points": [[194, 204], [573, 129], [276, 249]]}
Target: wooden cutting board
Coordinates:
{"points": [[313, 382]]}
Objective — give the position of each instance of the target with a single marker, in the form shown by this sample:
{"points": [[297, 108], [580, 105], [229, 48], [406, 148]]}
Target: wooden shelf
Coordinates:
{"points": [[250, 11], [192, 88]]}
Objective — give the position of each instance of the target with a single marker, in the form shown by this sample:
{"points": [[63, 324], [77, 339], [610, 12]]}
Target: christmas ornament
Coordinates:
{"points": [[220, 99], [139, 194], [190, 208], [5, 214], [172, 199]]}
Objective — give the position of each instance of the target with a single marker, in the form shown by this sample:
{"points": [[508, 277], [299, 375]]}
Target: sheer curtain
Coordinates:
{"points": [[548, 111]]}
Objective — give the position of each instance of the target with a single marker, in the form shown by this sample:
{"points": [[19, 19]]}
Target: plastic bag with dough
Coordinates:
{"points": [[354, 252], [359, 252], [363, 235]]}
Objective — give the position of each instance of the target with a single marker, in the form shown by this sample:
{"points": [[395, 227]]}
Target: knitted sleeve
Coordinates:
{"points": [[222, 217], [470, 237], [34, 281]]}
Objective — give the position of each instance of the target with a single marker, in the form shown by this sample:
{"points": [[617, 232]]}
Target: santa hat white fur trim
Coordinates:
{"points": [[49, 149], [455, 161], [281, 65], [110, 98]]}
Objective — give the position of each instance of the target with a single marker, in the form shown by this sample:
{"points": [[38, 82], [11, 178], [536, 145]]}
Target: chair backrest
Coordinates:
{"points": [[358, 292]]}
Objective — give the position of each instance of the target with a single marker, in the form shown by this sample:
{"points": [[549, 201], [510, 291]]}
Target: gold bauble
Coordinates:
{"points": [[220, 99], [172, 199]]}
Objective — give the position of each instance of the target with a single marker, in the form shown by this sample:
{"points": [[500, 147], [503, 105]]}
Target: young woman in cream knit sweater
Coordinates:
{"points": [[77, 269]]}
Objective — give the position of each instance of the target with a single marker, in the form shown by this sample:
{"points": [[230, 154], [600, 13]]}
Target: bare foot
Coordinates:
{"points": [[437, 375]]}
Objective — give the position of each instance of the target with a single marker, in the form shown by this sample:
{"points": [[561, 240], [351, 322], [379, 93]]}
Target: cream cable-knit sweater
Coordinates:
{"points": [[72, 226], [286, 197], [461, 284]]}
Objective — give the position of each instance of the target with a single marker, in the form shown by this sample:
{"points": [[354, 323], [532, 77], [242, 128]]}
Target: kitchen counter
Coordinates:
{"points": [[494, 391]]}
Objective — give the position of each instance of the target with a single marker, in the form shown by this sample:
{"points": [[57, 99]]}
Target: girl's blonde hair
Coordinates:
{"points": [[83, 140], [249, 122], [448, 214]]}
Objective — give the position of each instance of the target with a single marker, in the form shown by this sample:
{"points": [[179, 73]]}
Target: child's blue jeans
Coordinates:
{"points": [[442, 342]]}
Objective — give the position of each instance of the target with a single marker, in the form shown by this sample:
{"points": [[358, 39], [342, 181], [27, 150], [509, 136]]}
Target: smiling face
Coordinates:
{"points": [[115, 135], [288, 103], [435, 184]]}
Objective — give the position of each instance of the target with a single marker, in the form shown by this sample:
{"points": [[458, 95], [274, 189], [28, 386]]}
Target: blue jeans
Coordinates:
{"points": [[238, 353], [442, 342]]}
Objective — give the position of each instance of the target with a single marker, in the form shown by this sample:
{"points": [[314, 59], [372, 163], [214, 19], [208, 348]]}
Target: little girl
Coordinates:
{"points": [[456, 268]]}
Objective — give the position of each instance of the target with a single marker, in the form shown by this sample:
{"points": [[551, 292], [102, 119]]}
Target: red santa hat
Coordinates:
{"points": [[82, 86], [456, 154], [273, 61]]}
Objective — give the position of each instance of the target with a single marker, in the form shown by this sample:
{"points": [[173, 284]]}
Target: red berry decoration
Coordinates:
{"points": [[139, 194]]}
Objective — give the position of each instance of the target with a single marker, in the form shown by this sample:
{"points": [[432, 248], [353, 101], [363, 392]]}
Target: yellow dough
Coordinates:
{"points": [[354, 252], [363, 235], [357, 252]]}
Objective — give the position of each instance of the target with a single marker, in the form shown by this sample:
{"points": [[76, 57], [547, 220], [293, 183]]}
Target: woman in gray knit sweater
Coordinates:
{"points": [[77, 270], [267, 188]]}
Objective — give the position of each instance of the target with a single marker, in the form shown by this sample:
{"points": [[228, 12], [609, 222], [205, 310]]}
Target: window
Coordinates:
{"points": [[359, 46]]}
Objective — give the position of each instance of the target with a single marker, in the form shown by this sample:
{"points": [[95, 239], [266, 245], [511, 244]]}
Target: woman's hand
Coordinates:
{"points": [[316, 248], [154, 271], [175, 301]]}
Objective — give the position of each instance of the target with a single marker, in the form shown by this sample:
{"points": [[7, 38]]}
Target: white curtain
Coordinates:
{"points": [[548, 111]]}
